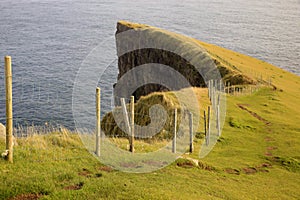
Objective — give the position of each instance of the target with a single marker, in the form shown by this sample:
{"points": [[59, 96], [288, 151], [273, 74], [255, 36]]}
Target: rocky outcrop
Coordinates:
{"points": [[3, 134], [2, 131], [172, 50]]}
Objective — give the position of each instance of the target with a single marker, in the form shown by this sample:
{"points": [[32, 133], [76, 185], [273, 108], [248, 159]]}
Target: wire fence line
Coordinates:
{"points": [[52, 102], [213, 118], [38, 102], [29, 129], [262, 77], [35, 94]]}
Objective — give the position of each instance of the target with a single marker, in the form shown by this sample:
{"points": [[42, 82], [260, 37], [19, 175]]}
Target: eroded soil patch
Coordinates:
{"points": [[85, 173], [232, 171], [74, 187], [254, 114], [105, 168], [27, 197]]}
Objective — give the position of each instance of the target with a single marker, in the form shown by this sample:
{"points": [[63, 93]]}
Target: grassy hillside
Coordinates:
{"points": [[257, 156]]}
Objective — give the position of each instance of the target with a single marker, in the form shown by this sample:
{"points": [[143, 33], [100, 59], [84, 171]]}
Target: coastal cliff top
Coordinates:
{"points": [[252, 69]]}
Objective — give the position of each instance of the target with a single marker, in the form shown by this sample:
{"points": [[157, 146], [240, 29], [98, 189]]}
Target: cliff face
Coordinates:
{"points": [[139, 57], [183, 48]]}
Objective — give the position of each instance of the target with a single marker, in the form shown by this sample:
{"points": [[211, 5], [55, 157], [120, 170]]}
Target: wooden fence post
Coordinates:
{"points": [[175, 130], [213, 95], [233, 90], [226, 87], [220, 86], [208, 89], [204, 122], [98, 123], [131, 148], [218, 120], [191, 131], [208, 126], [125, 116], [9, 113]]}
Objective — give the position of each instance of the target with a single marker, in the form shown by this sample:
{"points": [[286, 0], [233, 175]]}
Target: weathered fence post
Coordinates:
{"points": [[191, 131], [208, 88], [204, 122], [98, 121], [218, 120], [125, 116], [9, 113], [234, 92], [131, 148], [220, 86], [208, 126], [213, 98], [175, 130]]}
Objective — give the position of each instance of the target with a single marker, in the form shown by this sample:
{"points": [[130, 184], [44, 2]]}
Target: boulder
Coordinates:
{"points": [[3, 134]]}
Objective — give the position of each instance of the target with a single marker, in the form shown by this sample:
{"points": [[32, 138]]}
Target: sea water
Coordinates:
{"points": [[49, 39]]}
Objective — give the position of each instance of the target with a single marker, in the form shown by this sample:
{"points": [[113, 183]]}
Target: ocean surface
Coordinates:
{"points": [[49, 39]]}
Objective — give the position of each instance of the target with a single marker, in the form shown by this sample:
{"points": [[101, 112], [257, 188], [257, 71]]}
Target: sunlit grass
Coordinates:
{"points": [[251, 160]]}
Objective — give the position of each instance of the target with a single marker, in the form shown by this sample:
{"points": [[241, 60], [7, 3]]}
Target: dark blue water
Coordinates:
{"points": [[49, 39]]}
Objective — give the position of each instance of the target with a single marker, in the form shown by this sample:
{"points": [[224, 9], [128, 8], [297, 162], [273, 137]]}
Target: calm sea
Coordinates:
{"points": [[49, 39]]}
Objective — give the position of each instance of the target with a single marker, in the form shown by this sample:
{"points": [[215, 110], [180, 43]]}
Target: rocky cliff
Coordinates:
{"points": [[170, 49]]}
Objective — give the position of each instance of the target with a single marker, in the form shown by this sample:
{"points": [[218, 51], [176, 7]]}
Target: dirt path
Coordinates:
{"points": [[254, 114], [268, 139]]}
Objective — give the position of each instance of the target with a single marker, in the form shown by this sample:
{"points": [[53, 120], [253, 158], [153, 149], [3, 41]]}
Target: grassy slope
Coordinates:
{"points": [[246, 142]]}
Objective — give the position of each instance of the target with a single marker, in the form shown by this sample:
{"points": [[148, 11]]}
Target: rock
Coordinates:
{"points": [[2, 132], [3, 135], [194, 161]]}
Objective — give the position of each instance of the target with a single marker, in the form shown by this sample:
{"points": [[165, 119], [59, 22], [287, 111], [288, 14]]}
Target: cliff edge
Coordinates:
{"points": [[179, 47]]}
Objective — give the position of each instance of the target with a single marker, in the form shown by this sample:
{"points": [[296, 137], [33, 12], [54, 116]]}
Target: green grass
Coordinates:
{"points": [[59, 162], [251, 160], [140, 146]]}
